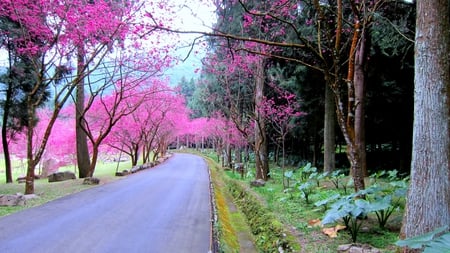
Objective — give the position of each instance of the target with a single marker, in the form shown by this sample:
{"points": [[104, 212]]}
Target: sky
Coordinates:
{"points": [[194, 16]]}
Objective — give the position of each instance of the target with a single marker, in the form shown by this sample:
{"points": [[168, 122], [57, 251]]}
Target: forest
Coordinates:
{"points": [[359, 86]]}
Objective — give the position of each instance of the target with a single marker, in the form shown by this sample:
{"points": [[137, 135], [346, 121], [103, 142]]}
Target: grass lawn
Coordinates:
{"points": [[50, 191]]}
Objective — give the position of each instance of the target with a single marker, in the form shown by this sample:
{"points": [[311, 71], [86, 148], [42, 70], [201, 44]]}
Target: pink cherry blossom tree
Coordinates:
{"points": [[280, 112], [141, 130], [57, 33]]}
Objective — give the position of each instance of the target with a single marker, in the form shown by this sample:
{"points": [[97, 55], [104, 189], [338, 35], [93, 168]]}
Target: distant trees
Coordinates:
{"points": [[152, 126], [334, 39]]}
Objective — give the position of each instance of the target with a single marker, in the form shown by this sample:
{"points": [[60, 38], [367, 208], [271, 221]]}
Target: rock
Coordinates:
{"points": [[365, 229], [258, 183], [12, 200], [91, 181], [135, 169], [122, 173], [29, 196], [49, 167], [61, 176], [21, 180], [357, 248]]}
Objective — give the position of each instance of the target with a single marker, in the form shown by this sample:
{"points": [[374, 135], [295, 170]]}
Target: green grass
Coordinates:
{"points": [[293, 211], [50, 191]]}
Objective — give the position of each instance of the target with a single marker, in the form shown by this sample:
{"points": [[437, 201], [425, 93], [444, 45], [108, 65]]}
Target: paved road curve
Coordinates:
{"points": [[164, 209]]}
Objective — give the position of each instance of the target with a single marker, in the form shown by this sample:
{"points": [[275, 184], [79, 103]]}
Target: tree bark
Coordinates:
{"points": [[428, 200], [83, 159], [6, 108], [31, 164], [261, 159], [329, 135], [359, 81], [134, 154], [95, 152]]}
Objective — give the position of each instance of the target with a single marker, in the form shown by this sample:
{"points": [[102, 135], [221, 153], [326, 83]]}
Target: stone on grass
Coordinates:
{"points": [[21, 180], [91, 181], [258, 183], [357, 248], [122, 173], [12, 200], [61, 176], [49, 167]]}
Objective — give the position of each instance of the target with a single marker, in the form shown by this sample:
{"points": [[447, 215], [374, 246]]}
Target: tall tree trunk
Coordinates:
{"points": [[229, 157], [428, 200], [31, 164], [261, 159], [329, 135], [346, 114], [83, 159], [6, 109], [359, 82], [238, 154]]}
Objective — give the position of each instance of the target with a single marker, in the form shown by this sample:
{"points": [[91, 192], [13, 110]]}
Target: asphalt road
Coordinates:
{"points": [[163, 209]]}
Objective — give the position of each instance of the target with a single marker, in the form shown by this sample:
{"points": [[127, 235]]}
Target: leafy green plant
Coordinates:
{"points": [[306, 171], [345, 209], [436, 241], [393, 200], [389, 195], [306, 188], [288, 176], [325, 202], [347, 185], [351, 209], [336, 177], [317, 177], [377, 175]]}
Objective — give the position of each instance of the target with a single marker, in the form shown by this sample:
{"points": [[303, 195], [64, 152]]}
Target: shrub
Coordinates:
{"points": [[270, 234]]}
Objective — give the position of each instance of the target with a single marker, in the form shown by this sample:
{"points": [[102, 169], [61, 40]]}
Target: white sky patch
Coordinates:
{"points": [[194, 16]]}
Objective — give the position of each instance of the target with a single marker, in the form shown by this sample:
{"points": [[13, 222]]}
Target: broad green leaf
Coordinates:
{"points": [[381, 204], [419, 241], [327, 200], [306, 167], [289, 174]]}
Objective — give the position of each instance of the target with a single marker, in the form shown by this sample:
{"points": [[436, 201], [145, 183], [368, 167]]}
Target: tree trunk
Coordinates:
{"points": [[29, 181], [6, 108], [83, 159], [238, 155], [346, 114], [359, 81], [329, 135], [428, 200], [261, 159], [229, 157], [95, 152]]}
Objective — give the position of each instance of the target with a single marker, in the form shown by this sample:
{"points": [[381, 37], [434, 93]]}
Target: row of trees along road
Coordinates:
{"points": [[99, 54], [346, 43]]}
